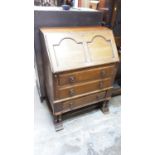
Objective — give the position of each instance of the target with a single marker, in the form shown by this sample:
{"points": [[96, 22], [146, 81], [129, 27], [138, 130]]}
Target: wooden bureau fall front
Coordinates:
{"points": [[80, 64]]}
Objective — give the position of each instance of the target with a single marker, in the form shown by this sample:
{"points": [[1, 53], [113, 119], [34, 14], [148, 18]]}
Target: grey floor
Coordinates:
{"points": [[92, 133]]}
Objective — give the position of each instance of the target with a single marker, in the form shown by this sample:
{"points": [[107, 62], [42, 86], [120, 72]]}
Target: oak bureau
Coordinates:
{"points": [[80, 64]]}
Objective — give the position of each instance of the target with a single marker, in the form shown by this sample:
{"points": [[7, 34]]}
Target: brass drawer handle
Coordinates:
{"points": [[102, 73], [101, 85], [71, 92], [71, 79]]}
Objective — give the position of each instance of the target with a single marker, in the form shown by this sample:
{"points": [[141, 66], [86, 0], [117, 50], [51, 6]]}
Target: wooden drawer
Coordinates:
{"points": [[85, 75], [83, 101], [70, 91]]}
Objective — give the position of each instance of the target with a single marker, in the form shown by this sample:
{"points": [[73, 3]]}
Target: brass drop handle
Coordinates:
{"points": [[101, 84], [102, 73], [71, 92], [71, 79]]}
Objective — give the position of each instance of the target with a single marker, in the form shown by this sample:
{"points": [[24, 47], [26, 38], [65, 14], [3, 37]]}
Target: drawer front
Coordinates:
{"points": [[83, 101], [85, 75], [84, 88]]}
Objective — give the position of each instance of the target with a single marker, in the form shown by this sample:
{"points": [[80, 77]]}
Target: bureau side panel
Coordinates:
{"points": [[47, 74], [109, 92]]}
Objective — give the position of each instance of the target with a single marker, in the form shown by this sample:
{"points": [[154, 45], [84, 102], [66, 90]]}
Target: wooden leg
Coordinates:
{"points": [[58, 122], [105, 106]]}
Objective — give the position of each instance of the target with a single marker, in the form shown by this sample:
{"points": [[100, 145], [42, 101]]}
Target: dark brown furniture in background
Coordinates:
{"points": [[112, 19], [45, 2], [80, 65]]}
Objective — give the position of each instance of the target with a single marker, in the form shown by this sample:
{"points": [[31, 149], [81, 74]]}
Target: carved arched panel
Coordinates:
{"points": [[100, 48], [69, 52]]}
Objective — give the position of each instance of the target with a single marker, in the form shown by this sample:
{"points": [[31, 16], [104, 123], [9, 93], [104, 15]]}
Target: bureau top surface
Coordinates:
{"points": [[79, 47]]}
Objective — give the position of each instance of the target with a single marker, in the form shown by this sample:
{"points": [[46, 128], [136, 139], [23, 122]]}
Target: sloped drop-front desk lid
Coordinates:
{"points": [[79, 47]]}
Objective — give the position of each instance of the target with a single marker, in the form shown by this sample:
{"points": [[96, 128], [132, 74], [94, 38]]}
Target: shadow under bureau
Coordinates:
{"points": [[80, 65]]}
